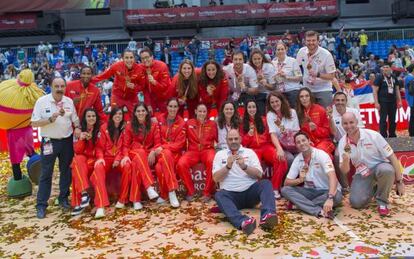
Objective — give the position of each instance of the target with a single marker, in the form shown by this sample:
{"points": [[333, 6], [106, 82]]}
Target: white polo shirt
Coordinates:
{"points": [[250, 79], [338, 121], [322, 62], [371, 149], [236, 180], [319, 167], [289, 124], [291, 68], [62, 127], [269, 72]]}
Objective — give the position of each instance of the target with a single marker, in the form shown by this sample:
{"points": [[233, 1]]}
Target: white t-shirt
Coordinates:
{"points": [[132, 45], [269, 72], [249, 77], [291, 68], [289, 124], [371, 149], [319, 167], [62, 127], [237, 180], [322, 62], [222, 137], [338, 121]]}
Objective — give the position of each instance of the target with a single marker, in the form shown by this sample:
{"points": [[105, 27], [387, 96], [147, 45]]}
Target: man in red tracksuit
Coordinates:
{"points": [[85, 94], [201, 135], [127, 83], [156, 80]]}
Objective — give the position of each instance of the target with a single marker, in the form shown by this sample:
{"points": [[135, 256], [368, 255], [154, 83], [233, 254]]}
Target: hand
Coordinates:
{"points": [[88, 136], [158, 150], [240, 161], [151, 158], [99, 161], [251, 131], [230, 161], [211, 89], [54, 116], [263, 81], [329, 111], [125, 160], [313, 73], [77, 133], [130, 85], [282, 74], [327, 207], [303, 172], [152, 80], [150, 109], [346, 157], [280, 154], [377, 106], [399, 105], [312, 126], [83, 135], [115, 164], [400, 189], [76, 100]]}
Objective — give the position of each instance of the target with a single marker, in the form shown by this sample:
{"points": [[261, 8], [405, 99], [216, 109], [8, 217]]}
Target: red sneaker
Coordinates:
{"points": [[268, 221], [290, 206], [383, 211], [248, 225]]}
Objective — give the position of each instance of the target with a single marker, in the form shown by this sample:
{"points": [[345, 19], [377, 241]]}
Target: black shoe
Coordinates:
{"points": [[85, 200], [65, 204], [77, 210], [41, 213]]}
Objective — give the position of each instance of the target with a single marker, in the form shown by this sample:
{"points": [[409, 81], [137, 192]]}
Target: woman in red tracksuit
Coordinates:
{"points": [[128, 81], [185, 85], [213, 86], [173, 140], [83, 167], [201, 135], [255, 135], [109, 153], [314, 121]]}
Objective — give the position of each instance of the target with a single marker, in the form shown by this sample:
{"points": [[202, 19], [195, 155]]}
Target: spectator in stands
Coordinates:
{"points": [[213, 85], [167, 59], [187, 54], [376, 166], [21, 55], [410, 51], [372, 65], [211, 52], [132, 45], [212, 3], [42, 48], [331, 43], [301, 36], [149, 43], [70, 50], [318, 67], [182, 5], [387, 98], [354, 52], [167, 42], [10, 72], [363, 43], [406, 59], [181, 47], [88, 48], [228, 54], [265, 72], [250, 42], [221, 2], [263, 41], [409, 96], [158, 4], [323, 39]]}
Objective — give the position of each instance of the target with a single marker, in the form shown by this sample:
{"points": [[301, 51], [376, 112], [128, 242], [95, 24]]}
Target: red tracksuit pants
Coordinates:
{"points": [[190, 159], [165, 171], [268, 154], [140, 173], [83, 172], [124, 192]]}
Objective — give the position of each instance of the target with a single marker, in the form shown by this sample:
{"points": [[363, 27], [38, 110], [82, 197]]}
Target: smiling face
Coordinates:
{"points": [[280, 50], [172, 108], [304, 98], [228, 111], [211, 71], [129, 59], [201, 113], [90, 117], [118, 116], [186, 70], [146, 58], [238, 60], [141, 114], [233, 140], [257, 60], [312, 42], [251, 109], [340, 101], [275, 103], [302, 143], [86, 75], [350, 123]]}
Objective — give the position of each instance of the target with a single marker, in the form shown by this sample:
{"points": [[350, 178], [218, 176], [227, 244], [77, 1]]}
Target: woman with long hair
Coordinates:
{"points": [[173, 140], [228, 118], [265, 73], [141, 138], [283, 123], [313, 120], [213, 86], [255, 135], [109, 153], [185, 85], [201, 136], [83, 172]]}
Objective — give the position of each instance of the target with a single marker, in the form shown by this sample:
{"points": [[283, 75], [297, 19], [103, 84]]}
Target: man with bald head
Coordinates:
{"points": [[376, 166], [238, 171]]}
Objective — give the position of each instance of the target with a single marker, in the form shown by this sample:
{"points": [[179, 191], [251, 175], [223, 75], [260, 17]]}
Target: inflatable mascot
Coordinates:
{"points": [[17, 99]]}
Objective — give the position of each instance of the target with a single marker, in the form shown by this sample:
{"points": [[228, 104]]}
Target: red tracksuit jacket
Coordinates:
{"points": [[220, 94], [106, 148], [172, 137], [147, 142], [318, 115], [201, 136], [257, 140]]}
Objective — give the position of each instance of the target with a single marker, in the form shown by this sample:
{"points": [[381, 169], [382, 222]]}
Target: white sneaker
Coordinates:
{"points": [[152, 194], [137, 205], [277, 194], [173, 199], [119, 205], [160, 200], [100, 213]]}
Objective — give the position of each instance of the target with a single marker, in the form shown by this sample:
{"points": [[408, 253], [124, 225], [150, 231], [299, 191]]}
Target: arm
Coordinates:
{"points": [[104, 75], [178, 143], [322, 130], [292, 178]]}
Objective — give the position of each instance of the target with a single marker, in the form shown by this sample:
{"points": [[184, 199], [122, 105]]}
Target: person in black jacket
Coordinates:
{"points": [[166, 58]]}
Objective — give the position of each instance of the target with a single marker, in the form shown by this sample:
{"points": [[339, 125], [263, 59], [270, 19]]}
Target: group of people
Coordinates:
{"points": [[288, 121]]}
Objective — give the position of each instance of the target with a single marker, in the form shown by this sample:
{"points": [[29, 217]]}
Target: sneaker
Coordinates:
{"points": [[76, 211], [329, 215], [100, 213], [189, 198], [41, 213], [65, 205], [268, 221], [290, 206], [383, 211], [205, 199], [173, 199], [277, 194], [119, 205], [160, 201], [85, 200], [152, 194], [248, 225], [137, 205]]}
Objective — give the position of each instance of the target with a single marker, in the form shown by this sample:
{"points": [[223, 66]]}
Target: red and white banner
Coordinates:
{"points": [[230, 12], [370, 116], [18, 22], [44, 5]]}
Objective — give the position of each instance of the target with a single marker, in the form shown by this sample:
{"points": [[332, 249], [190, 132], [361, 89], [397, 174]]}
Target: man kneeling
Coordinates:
{"points": [[313, 168], [238, 170]]}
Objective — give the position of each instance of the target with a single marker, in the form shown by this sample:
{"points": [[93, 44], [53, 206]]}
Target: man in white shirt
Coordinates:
{"points": [[238, 170], [313, 168], [55, 114], [242, 79], [132, 45], [318, 68], [376, 166]]}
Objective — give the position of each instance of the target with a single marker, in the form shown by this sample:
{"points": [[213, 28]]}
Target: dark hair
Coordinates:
{"points": [[128, 50], [191, 83], [85, 67], [146, 49], [299, 108], [235, 119], [172, 99], [238, 52], [204, 79], [410, 68], [300, 133], [258, 122], [136, 126], [340, 93], [114, 132], [312, 34], [285, 107], [84, 125], [257, 51]]}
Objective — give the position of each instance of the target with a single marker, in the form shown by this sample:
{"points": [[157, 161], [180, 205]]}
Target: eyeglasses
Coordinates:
{"points": [[146, 58]]}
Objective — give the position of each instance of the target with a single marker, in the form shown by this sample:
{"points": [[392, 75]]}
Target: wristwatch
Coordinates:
{"points": [[227, 166], [331, 196]]}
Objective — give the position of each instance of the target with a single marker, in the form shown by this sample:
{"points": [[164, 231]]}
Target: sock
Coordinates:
{"points": [[17, 172]]}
